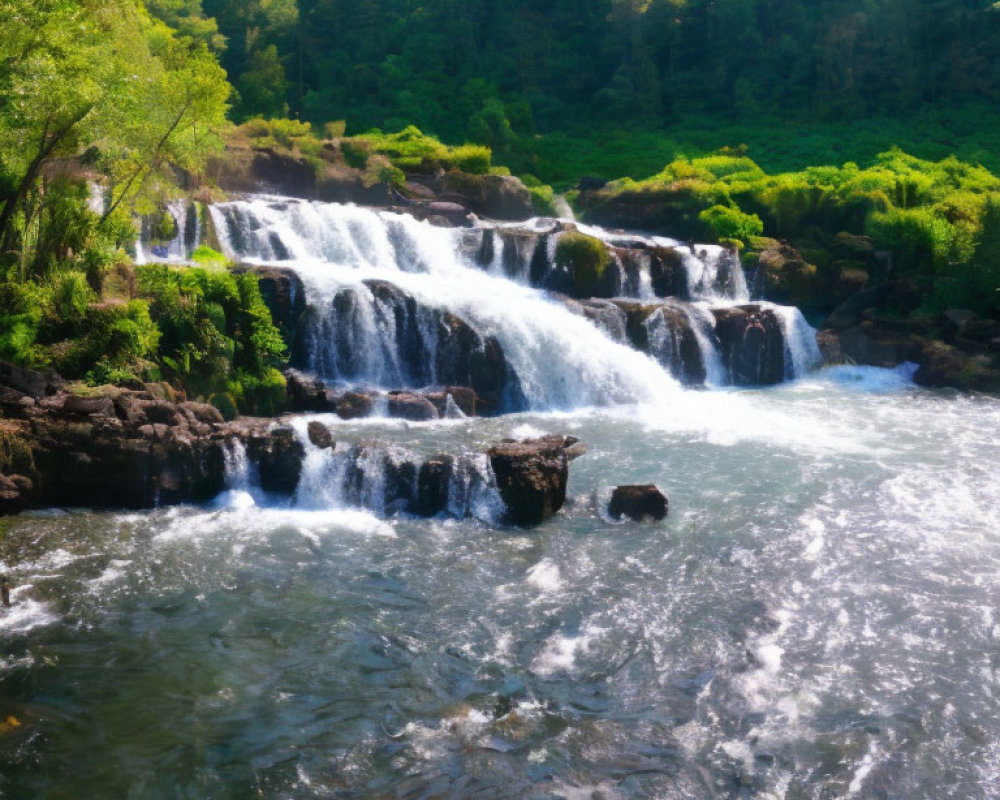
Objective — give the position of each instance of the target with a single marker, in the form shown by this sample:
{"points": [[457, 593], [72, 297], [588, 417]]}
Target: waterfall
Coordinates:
{"points": [[557, 360], [187, 236], [388, 479], [802, 353], [395, 303]]}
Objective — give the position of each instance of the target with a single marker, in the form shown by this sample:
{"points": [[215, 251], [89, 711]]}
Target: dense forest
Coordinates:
{"points": [[706, 72]]}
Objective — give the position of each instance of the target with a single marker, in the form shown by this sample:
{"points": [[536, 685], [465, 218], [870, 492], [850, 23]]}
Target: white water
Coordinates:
{"points": [[561, 360]]}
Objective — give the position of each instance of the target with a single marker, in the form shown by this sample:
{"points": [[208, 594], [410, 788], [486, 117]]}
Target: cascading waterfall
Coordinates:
{"points": [[560, 360], [386, 479], [392, 300]]}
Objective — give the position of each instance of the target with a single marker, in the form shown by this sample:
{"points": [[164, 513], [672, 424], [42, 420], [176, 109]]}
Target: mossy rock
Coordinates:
{"points": [[15, 455], [586, 258]]}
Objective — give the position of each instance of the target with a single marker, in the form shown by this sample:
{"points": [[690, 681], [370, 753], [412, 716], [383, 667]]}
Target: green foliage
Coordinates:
{"points": [[731, 223], [411, 149], [586, 258], [280, 134], [207, 257]]}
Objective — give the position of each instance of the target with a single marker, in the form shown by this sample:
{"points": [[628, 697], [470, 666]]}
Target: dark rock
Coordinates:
{"points": [[305, 392], [462, 398], [202, 412], [405, 405], [638, 503], [433, 482], [667, 273], [875, 345], [945, 366], [354, 405], [531, 477], [320, 435], [830, 347], [87, 405], [788, 276], [851, 311], [16, 493], [494, 196], [283, 293], [33, 383], [278, 456], [664, 331], [752, 345]]}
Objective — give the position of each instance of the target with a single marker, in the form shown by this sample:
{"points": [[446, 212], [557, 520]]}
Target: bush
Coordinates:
{"points": [[472, 158], [731, 223], [207, 257]]}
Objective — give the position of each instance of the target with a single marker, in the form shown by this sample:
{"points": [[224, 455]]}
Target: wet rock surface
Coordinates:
{"points": [[638, 503], [531, 476]]}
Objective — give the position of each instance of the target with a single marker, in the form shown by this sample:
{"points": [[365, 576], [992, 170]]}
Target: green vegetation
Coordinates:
{"points": [[586, 258], [936, 218]]}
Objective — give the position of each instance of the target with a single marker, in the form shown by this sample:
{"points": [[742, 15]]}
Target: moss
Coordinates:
{"points": [[586, 258], [15, 455], [205, 256], [226, 405]]}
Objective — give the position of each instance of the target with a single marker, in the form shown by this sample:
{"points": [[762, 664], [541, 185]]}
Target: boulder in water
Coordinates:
{"points": [[413, 407], [494, 196], [278, 455], [531, 476], [638, 503], [320, 435], [305, 392], [354, 405], [433, 482]]}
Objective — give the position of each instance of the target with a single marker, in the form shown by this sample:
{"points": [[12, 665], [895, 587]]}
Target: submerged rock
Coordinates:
{"points": [[320, 435], [638, 503], [531, 476], [278, 455], [413, 407]]}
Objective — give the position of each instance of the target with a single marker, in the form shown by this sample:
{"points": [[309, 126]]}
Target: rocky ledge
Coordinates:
{"points": [[141, 448]]}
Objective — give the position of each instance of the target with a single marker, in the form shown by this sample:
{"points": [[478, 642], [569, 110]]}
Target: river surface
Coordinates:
{"points": [[817, 618]]}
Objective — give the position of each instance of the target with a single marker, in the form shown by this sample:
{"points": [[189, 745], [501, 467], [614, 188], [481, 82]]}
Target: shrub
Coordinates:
{"points": [[207, 257], [472, 158], [731, 223]]}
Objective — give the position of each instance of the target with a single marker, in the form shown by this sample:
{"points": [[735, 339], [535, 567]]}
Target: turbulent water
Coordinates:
{"points": [[817, 618]]}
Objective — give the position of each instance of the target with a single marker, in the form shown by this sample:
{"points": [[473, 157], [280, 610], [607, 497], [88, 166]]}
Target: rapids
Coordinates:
{"points": [[817, 618]]}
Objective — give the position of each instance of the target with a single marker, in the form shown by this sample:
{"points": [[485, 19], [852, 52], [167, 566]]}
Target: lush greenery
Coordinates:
{"points": [[551, 86], [105, 91], [937, 219]]}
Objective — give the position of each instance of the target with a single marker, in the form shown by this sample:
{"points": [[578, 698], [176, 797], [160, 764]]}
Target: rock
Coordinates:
{"points": [[664, 331], [874, 345], [531, 477], [494, 196], [16, 493], [278, 456], [638, 503], [283, 293], [851, 311], [667, 272], [404, 405], [202, 412], [87, 405], [33, 383], [462, 397], [305, 392], [829, 346], [789, 278], [354, 405], [433, 482], [945, 366], [320, 435], [752, 344]]}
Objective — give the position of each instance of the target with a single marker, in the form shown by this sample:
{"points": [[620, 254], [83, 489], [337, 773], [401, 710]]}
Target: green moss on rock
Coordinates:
{"points": [[586, 258]]}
